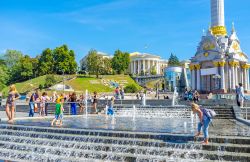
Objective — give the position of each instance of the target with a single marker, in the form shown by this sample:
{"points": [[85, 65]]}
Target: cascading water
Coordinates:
{"points": [[175, 96]]}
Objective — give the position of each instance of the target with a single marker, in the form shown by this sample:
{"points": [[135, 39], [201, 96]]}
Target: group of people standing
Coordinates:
{"points": [[40, 104], [119, 93]]}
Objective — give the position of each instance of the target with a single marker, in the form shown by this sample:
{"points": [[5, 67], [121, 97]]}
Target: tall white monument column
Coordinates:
{"points": [[218, 17], [217, 13]]}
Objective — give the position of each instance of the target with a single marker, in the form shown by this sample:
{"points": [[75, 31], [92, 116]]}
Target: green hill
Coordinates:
{"points": [[106, 83], [31, 84]]}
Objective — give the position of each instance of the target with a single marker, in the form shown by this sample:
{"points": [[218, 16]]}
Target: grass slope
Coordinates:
{"points": [[31, 84], [94, 84], [80, 84], [151, 84]]}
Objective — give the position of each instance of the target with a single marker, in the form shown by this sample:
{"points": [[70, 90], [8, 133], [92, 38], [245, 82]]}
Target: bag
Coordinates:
{"points": [[210, 113]]}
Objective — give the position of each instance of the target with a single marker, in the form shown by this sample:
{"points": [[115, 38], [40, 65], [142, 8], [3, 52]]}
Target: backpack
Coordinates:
{"points": [[210, 113]]}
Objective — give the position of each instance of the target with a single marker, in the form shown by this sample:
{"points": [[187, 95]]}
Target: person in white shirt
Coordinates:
{"points": [[241, 95]]}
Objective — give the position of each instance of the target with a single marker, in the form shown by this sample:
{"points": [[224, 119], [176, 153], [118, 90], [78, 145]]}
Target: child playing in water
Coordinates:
{"points": [[58, 113], [111, 105]]}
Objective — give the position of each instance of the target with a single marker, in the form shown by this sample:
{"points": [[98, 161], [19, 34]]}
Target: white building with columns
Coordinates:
{"points": [[219, 63], [144, 63]]}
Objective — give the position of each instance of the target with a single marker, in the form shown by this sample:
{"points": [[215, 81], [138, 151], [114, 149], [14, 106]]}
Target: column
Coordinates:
{"points": [[144, 65], [198, 76], [245, 79], [149, 63], [131, 67], [193, 79], [222, 75], [242, 76], [236, 76], [139, 67], [155, 64], [229, 78], [191, 67], [148, 66], [134, 68], [233, 77], [248, 84]]}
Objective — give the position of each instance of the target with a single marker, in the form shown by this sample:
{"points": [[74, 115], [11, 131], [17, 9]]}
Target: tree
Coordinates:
{"points": [[11, 57], [173, 60], [153, 70], [46, 62], [4, 74], [22, 70], [120, 61], [107, 66], [94, 63], [64, 60]]}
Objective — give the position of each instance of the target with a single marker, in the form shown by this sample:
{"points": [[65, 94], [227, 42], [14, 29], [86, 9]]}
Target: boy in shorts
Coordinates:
{"points": [[58, 113]]}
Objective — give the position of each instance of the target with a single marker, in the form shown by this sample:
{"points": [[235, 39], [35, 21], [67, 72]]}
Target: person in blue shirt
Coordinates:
{"points": [[110, 106]]}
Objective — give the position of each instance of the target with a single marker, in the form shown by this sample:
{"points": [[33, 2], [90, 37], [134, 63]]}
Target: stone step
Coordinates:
{"points": [[84, 150], [116, 135], [138, 144]]}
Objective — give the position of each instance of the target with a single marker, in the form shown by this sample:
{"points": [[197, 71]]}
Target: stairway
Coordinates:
{"points": [[29, 143]]}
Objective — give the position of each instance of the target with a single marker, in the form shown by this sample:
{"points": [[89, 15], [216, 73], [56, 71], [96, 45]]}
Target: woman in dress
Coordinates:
{"points": [[44, 105], [10, 103]]}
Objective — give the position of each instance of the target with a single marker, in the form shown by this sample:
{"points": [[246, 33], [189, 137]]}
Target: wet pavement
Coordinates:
{"points": [[221, 127]]}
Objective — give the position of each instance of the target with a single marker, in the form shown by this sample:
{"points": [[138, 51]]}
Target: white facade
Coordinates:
{"points": [[143, 63], [219, 63]]}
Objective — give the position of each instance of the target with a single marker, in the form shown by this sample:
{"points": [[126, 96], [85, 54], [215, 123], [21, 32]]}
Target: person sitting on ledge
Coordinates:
{"points": [[210, 96]]}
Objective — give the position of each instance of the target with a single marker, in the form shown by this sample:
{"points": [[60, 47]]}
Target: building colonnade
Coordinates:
{"points": [[139, 66], [229, 74]]}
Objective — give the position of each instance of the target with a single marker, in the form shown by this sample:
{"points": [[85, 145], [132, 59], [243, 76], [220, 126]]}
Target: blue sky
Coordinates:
{"points": [[152, 26]]}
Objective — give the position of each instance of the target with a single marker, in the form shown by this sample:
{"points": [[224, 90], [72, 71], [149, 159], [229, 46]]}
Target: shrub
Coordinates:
{"points": [[130, 89], [50, 80], [40, 87]]}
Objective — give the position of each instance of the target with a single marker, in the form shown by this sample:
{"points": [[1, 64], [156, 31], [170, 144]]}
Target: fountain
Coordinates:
{"points": [[175, 96], [134, 133], [144, 100], [86, 103]]}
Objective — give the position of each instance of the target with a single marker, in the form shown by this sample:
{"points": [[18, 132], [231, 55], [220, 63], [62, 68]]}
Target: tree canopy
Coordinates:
{"points": [[173, 60], [94, 63], [120, 61], [15, 66]]}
